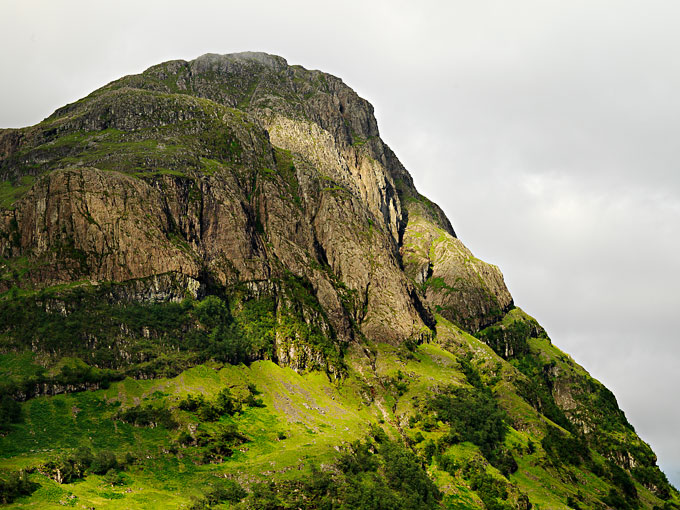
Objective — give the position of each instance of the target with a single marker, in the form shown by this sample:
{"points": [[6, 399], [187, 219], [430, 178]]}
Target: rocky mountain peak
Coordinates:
{"points": [[210, 224], [215, 62]]}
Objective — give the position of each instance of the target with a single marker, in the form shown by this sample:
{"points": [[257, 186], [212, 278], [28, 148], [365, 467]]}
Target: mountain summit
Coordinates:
{"points": [[217, 269]]}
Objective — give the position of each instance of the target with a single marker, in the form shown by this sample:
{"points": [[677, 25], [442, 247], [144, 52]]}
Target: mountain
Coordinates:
{"points": [[221, 288]]}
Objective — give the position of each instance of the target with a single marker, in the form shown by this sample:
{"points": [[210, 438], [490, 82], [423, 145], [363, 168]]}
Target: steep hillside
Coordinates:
{"points": [[220, 288]]}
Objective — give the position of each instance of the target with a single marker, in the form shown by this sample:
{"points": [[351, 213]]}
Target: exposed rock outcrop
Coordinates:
{"points": [[239, 169]]}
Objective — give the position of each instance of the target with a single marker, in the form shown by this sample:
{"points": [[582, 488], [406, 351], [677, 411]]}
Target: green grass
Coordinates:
{"points": [[304, 421], [305, 417], [10, 192]]}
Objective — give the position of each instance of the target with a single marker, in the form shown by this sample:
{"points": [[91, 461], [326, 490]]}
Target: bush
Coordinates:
{"points": [[622, 480], [654, 479], [563, 448], [503, 460], [536, 389], [212, 312], [370, 475], [219, 443], [103, 462], [228, 490], [471, 373], [14, 486], [507, 341], [473, 415], [572, 503], [615, 500], [223, 404], [148, 416], [83, 457], [490, 491], [115, 478], [10, 412], [64, 470]]}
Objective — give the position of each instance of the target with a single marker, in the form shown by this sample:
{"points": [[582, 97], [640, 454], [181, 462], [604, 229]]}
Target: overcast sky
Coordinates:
{"points": [[547, 130]]}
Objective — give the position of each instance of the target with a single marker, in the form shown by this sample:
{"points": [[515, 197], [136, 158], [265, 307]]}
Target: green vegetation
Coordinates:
{"points": [[536, 388], [222, 143], [227, 491], [285, 168], [507, 341], [15, 485], [375, 474], [70, 468], [175, 439], [563, 448], [162, 338], [148, 416], [11, 192], [10, 412], [224, 404]]}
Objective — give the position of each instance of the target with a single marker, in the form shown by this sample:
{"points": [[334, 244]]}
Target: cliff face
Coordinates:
{"points": [[125, 213], [237, 168]]}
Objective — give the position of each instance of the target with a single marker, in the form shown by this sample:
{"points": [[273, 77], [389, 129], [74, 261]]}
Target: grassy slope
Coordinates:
{"points": [[313, 413]]}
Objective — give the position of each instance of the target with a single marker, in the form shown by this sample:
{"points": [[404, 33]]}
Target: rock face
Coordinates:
{"points": [[238, 169]]}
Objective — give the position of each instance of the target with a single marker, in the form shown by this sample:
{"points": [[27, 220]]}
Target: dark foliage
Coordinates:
{"points": [[508, 341], [614, 499], [72, 377], [69, 468], [622, 480], [573, 503], [148, 416], [492, 491], [73, 467], [224, 404], [103, 462], [15, 485], [654, 479], [218, 444], [471, 373], [473, 416], [536, 389], [211, 410], [503, 460], [237, 335], [161, 339], [10, 412], [667, 506], [222, 491], [563, 448], [606, 411], [372, 475]]}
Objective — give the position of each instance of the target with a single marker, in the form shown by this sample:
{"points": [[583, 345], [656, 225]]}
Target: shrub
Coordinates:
{"points": [[622, 480], [563, 448], [228, 490], [10, 412], [473, 415], [654, 479], [148, 416], [16, 485], [615, 500], [219, 443], [115, 478], [103, 462], [507, 341], [212, 410]]}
